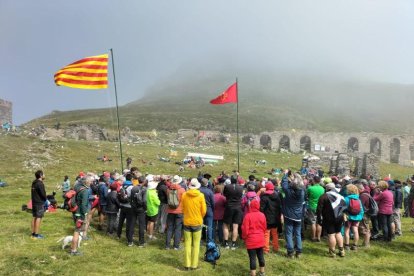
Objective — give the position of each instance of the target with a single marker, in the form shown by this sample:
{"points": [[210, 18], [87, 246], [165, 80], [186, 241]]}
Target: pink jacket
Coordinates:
{"points": [[385, 202]]}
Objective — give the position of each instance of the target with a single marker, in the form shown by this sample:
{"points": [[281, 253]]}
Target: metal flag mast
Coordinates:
{"points": [[117, 110], [237, 122]]}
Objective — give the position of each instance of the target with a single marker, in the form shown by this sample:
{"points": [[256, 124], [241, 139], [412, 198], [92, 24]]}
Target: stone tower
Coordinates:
{"points": [[5, 112]]}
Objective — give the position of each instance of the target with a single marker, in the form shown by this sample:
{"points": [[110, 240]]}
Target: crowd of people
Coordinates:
{"points": [[220, 209]]}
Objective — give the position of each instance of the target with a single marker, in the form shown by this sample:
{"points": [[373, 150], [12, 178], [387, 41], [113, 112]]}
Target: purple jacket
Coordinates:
{"points": [[385, 202]]}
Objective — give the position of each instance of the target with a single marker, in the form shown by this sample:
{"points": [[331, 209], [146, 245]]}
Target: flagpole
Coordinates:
{"points": [[237, 120], [117, 110]]}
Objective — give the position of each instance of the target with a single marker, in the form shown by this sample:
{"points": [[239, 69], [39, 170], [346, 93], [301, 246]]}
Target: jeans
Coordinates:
{"points": [[385, 221], [218, 229], [126, 213], [293, 230], [375, 227], [162, 218], [112, 227], [208, 221], [141, 218], [174, 225]]}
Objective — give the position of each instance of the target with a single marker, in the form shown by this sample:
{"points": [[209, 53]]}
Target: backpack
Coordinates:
{"points": [[139, 200], [95, 187], [70, 200], [122, 195], [212, 253], [173, 200], [373, 207], [354, 207]]}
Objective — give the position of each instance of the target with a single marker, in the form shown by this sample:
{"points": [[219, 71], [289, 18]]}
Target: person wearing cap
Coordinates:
{"points": [[253, 234], [153, 204], [194, 209], [175, 214], [270, 205], [329, 213], [208, 218], [313, 193], [112, 208], [233, 214]]}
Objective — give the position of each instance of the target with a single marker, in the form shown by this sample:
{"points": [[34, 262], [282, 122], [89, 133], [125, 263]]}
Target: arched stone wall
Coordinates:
{"points": [[395, 150], [284, 143], [306, 143], [353, 145], [375, 146], [266, 141]]}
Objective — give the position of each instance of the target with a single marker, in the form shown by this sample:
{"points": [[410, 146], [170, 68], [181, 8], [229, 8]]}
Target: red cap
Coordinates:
{"points": [[269, 186], [81, 174]]}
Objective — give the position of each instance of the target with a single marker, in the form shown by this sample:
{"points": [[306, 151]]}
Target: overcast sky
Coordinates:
{"points": [[154, 40]]}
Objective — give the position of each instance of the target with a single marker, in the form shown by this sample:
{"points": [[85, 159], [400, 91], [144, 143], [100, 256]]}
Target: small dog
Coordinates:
{"points": [[68, 241]]}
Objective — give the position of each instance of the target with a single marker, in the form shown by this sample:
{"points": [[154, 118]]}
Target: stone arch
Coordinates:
{"points": [[284, 143], [353, 144], [395, 150], [266, 141], [82, 134], [248, 139], [375, 146], [305, 143], [412, 151]]}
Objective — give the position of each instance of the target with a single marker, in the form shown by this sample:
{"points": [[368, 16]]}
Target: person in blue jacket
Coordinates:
{"points": [[353, 214]]}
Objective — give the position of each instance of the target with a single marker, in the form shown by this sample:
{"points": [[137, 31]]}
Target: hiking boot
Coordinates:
{"points": [[346, 246], [354, 247], [341, 252], [261, 274], [141, 245], [130, 244], [226, 245], [290, 255], [37, 237], [332, 253], [76, 253], [177, 248], [233, 246], [298, 255]]}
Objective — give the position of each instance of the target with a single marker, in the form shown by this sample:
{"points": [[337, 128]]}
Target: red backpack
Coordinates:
{"points": [[70, 200], [354, 207]]}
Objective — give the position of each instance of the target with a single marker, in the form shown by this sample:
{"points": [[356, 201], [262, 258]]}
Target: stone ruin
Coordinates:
{"points": [[6, 109], [86, 132]]}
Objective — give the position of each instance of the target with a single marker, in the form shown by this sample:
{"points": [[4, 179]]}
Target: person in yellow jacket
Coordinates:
{"points": [[194, 209]]}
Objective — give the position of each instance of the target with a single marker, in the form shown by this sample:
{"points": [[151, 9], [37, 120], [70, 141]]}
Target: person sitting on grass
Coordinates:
{"points": [[253, 231]]}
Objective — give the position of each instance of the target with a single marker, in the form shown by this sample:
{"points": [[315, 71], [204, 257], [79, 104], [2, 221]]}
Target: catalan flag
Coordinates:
{"points": [[87, 73]]}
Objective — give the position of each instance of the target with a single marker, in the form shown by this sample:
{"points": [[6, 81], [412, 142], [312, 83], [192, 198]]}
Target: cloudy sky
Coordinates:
{"points": [[154, 40]]}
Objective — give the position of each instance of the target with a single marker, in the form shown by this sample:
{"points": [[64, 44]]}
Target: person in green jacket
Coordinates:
{"points": [[153, 203], [80, 215]]}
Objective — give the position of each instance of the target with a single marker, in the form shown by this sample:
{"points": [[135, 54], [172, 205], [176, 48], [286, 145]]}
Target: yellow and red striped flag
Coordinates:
{"points": [[87, 73]]}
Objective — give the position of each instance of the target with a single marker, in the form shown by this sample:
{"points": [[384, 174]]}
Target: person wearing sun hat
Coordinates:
{"points": [[194, 209], [175, 213], [153, 203]]}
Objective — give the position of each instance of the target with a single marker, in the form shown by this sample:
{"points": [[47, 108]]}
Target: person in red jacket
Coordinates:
{"points": [[253, 231]]}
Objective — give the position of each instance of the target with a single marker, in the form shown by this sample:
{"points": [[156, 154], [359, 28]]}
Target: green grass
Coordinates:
{"points": [[103, 255]]}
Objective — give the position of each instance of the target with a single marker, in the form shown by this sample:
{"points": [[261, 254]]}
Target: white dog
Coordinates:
{"points": [[68, 241]]}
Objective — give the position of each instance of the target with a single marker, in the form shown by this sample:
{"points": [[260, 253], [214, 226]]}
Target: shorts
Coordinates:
{"points": [[310, 217], [364, 225], [351, 223], [152, 219], [102, 209], [333, 227], [232, 215], [38, 211], [80, 227]]}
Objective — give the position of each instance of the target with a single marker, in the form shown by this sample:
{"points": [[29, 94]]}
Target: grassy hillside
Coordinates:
{"points": [[103, 255], [265, 104]]}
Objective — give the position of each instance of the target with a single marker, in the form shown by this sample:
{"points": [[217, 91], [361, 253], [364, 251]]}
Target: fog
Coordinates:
{"points": [[319, 53]]}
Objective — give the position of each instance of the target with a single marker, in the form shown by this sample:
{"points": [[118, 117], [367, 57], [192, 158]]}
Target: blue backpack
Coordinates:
{"points": [[212, 253]]}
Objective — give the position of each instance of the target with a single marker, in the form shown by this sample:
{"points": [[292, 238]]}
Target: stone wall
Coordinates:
{"points": [[6, 114], [86, 132], [389, 148]]}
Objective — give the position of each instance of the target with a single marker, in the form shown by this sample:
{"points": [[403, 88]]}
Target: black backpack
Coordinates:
{"points": [[95, 187], [122, 195], [139, 199]]}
